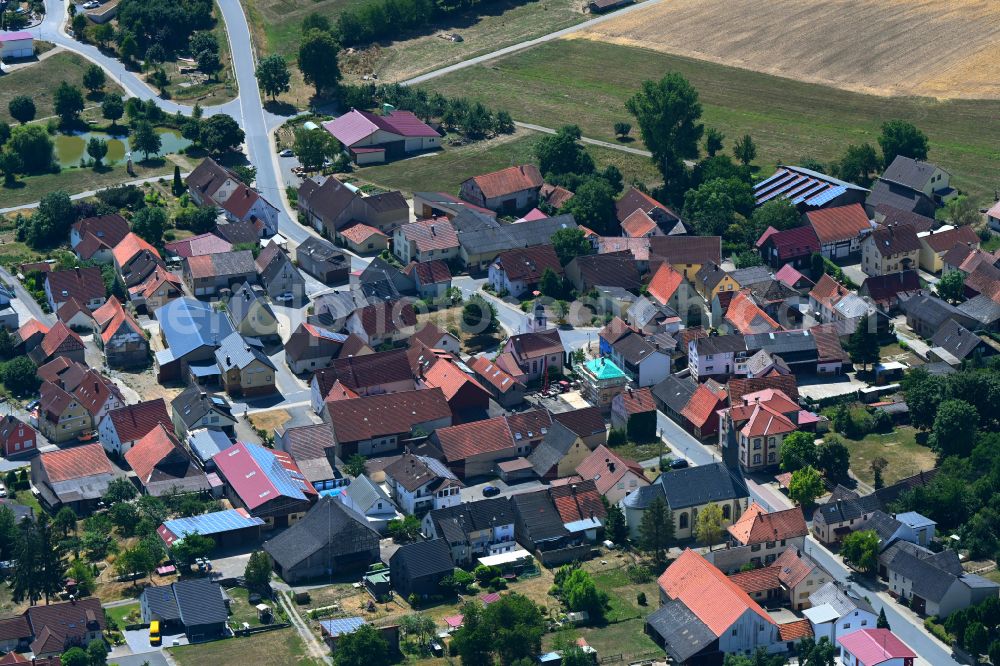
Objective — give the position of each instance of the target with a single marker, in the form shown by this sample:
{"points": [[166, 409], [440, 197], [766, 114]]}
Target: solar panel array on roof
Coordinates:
{"points": [[211, 523], [286, 481], [342, 626], [800, 186]]}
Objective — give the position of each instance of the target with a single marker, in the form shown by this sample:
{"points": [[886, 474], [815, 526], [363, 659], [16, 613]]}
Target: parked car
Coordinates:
{"points": [[285, 297], [287, 152], [491, 491], [3, 490], [680, 463]]}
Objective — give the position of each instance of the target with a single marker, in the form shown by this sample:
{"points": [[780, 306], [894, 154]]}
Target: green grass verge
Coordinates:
{"points": [[76, 179], [587, 82]]}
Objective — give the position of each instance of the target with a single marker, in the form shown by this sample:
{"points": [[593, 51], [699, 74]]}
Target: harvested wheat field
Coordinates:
{"points": [[935, 48]]}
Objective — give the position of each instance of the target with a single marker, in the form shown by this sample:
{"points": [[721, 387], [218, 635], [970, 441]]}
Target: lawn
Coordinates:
{"points": [[282, 647], [906, 457], [40, 80], [120, 614], [270, 421], [993, 244], [26, 498], [443, 171], [212, 91], [587, 83]]}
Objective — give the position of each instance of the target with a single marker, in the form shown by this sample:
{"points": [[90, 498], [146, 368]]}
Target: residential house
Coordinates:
{"points": [[744, 316], [703, 615], [890, 249], [426, 239], [792, 278], [16, 437], [601, 380], [555, 195], [362, 238], [896, 195], [934, 245], [587, 272], [163, 466], [615, 330], [93, 238], [433, 337], [933, 584], [211, 184], [586, 422], [194, 246], [473, 449], [77, 477], [373, 374], [279, 276], [28, 336], [333, 631], [834, 612], [510, 190], [700, 416], [61, 416], [58, 342], [191, 331], [517, 272], [417, 569], [432, 279], [158, 289], [528, 356], [419, 484], [926, 315], [756, 427], [121, 337], [466, 397], [634, 411], [687, 492], [384, 322], [953, 343], [666, 220], [312, 448], [474, 529], [613, 476], [929, 179], [889, 289], [807, 189], [265, 482], [311, 347], [205, 443], [198, 606], [559, 454], [330, 205], [768, 534], [482, 238], [559, 524], [685, 254], [789, 247], [76, 315], [428, 205], [251, 314], [208, 274], [824, 297], [135, 260], [840, 229], [790, 579], [83, 284], [125, 426], [878, 647], [194, 408], [323, 261], [641, 359], [712, 278], [639, 225], [246, 370], [57, 627], [366, 498], [371, 139], [668, 288], [717, 356], [503, 388], [993, 217], [379, 423]]}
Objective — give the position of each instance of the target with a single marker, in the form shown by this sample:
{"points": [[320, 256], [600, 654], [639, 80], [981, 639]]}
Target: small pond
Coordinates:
{"points": [[71, 148]]}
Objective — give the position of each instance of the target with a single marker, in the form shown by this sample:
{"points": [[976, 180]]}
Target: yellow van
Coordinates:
{"points": [[154, 633]]}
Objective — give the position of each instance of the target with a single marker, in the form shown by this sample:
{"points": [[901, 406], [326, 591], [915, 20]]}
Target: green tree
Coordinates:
{"points": [[177, 186], [315, 21], [6, 352], [363, 647], [923, 393], [21, 108], [191, 547], [656, 530], [899, 137], [136, 562], [75, 656], [97, 148], [760, 657], [709, 527], [258, 571], [479, 317], [10, 165], [119, 490], [817, 653], [404, 530], [860, 549], [128, 49], [951, 286], [883, 621], [561, 153], [160, 79], [355, 465], [97, 652], [711, 208], [150, 223], [858, 165], [579, 592], [19, 376], [668, 113], [779, 213], [570, 244], [220, 133], [806, 485], [798, 450], [878, 465], [834, 460], [994, 652], [209, 63], [145, 139], [79, 25], [112, 107], [955, 428], [550, 284], [318, 60], [593, 206], [65, 520], [745, 150], [273, 76], [94, 78], [615, 525], [103, 33], [622, 129], [976, 639], [713, 141], [863, 346], [67, 101], [313, 147], [83, 573], [961, 211]]}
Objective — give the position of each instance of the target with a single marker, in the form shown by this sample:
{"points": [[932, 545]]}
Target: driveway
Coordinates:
{"points": [[138, 641]]}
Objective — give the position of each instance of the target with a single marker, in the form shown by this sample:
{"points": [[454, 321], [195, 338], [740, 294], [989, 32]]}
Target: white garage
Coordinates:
{"points": [[16, 45]]}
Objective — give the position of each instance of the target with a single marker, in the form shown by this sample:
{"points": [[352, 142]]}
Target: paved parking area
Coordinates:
{"points": [[138, 641], [474, 493], [230, 567]]}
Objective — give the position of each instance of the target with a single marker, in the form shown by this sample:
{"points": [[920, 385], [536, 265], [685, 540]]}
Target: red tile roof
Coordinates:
{"points": [[429, 272], [60, 339], [701, 406], [493, 375], [875, 646], [795, 630], [83, 284], [359, 233], [194, 246], [839, 223], [583, 422], [30, 328], [664, 283], [129, 247], [714, 599], [686, 249], [132, 422], [746, 316], [471, 439], [756, 525], [149, 451], [386, 317], [943, 241], [793, 569], [508, 181], [159, 277], [76, 463], [792, 242], [828, 291], [431, 234], [70, 309], [578, 501], [388, 414], [356, 125], [527, 264], [606, 468], [895, 239], [445, 375], [615, 330], [108, 230], [638, 224], [790, 276], [756, 581], [637, 401], [111, 317], [635, 199], [765, 421]]}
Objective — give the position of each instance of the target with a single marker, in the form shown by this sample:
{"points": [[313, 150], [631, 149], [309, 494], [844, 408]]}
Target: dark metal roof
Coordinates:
{"points": [[330, 526], [424, 558], [683, 634], [700, 485], [200, 602], [162, 603]]}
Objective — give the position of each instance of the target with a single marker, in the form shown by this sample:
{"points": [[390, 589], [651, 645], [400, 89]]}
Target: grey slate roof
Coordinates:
{"points": [[234, 263], [480, 239], [675, 392], [884, 526], [194, 403], [365, 494], [933, 311], [556, 444], [206, 443], [235, 352], [751, 275], [782, 342], [643, 496], [539, 516], [702, 484], [683, 634], [956, 339], [425, 558], [841, 601], [247, 300], [910, 172], [634, 348], [199, 602], [162, 603], [720, 344], [982, 308], [899, 196], [330, 526], [455, 522]]}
